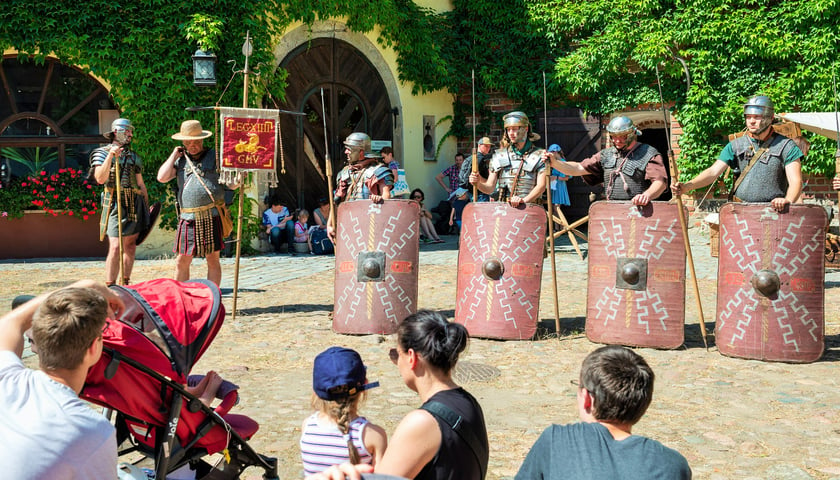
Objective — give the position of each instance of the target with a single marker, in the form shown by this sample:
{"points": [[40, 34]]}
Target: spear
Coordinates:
{"points": [[328, 166], [550, 215], [675, 174], [474, 156], [837, 125]]}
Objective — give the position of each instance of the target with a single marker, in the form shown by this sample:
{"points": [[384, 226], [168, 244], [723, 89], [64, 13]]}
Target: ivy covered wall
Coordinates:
{"points": [[599, 55]]}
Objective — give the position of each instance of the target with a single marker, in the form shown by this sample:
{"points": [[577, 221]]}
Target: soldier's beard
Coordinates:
{"points": [[121, 138]]}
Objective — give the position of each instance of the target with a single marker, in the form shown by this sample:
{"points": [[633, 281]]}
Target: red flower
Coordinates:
{"points": [[84, 217]]}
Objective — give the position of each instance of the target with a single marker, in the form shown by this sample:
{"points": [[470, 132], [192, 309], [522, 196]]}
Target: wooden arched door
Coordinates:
{"points": [[354, 100]]}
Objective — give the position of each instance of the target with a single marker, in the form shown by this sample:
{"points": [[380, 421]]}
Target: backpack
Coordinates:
{"points": [[321, 243]]}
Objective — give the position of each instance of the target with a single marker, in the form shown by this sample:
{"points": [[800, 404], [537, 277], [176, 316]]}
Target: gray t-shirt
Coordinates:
{"points": [[587, 451]]}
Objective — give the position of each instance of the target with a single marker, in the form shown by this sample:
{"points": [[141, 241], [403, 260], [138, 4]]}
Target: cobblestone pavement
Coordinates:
{"points": [[731, 418]]}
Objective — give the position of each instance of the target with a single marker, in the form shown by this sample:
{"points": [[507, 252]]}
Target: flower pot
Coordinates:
{"points": [[41, 235]]}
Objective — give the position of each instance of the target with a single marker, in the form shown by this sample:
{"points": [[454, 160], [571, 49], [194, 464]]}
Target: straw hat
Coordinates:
{"points": [[191, 130]]}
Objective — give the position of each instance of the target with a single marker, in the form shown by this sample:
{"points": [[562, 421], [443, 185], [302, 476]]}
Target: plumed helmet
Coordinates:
{"points": [[516, 119], [358, 140]]}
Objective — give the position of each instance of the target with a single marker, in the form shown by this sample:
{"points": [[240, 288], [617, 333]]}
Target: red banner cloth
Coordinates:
{"points": [[249, 139]]}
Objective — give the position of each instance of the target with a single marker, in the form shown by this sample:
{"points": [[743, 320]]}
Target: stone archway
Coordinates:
{"points": [[355, 98]]}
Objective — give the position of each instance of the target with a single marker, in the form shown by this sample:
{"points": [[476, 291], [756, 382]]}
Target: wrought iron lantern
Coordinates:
{"points": [[204, 68]]}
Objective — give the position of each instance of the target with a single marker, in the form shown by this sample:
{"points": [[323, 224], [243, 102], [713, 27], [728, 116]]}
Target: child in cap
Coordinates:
{"points": [[336, 433]]}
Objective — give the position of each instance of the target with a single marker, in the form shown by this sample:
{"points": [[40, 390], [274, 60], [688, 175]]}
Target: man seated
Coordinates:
{"points": [[614, 391], [47, 431]]}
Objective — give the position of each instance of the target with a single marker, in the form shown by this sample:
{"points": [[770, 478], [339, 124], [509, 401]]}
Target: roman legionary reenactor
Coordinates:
{"points": [[130, 218], [770, 295], [636, 281], [376, 245], [501, 247]]}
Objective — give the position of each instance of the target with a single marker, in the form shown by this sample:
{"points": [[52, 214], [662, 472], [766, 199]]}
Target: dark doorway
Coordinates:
{"points": [[658, 139], [579, 135], [354, 100]]}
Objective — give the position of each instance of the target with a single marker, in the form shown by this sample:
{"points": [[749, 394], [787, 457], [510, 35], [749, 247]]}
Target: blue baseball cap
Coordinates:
{"points": [[555, 148], [339, 373]]}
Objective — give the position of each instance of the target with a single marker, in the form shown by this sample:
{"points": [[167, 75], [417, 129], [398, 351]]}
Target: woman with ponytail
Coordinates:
{"points": [[446, 437], [336, 433]]}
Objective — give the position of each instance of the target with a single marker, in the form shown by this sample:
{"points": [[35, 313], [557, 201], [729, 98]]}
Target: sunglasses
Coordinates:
{"points": [[105, 327]]}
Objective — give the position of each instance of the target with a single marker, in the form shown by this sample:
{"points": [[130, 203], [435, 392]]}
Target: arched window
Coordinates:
{"points": [[50, 116]]}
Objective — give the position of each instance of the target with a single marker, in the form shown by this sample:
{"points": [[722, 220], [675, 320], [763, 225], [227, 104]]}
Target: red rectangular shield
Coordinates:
{"points": [[636, 288]]}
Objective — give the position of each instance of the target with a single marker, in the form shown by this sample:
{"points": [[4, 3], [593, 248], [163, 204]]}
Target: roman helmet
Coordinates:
{"points": [[120, 128], [519, 119], [760, 105], [356, 142], [623, 126]]}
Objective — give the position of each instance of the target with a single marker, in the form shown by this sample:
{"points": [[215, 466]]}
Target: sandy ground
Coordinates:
{"points": [[731, 418]]}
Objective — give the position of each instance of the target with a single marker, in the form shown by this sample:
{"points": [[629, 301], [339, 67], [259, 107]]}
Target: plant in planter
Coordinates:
{"points": [[66, 192], [34, 159]]}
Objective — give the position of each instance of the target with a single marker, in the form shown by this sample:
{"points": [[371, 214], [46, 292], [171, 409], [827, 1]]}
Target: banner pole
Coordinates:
{"points": [[246, 50]]}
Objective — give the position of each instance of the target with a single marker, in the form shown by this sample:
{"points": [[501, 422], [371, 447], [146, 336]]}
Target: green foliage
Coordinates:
{"points": [[140, 49], [732, 50], [34, 159], [204, 30]]}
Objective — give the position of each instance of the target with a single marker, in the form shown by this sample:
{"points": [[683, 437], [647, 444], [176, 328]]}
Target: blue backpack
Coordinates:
{"points": [[321, 243]]}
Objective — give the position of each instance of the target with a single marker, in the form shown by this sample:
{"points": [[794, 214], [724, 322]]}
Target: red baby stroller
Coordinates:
{"points": [[147, 356]]}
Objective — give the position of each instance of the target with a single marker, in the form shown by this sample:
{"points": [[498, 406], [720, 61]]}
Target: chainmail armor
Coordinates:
{"points": [[624, 176], [766, 179], [191, 193]]}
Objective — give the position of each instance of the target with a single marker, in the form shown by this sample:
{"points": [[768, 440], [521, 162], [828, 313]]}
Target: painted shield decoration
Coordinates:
{"points": [[771, 296], [636, 290], [500, 261], [376, 258]]}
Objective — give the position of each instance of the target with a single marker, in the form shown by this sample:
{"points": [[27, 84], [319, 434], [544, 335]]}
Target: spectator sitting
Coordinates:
{"points": [[615, 390], [47, 431], [278, 224], [453, 172], [336, 433], [302, 231], [427, 228]]}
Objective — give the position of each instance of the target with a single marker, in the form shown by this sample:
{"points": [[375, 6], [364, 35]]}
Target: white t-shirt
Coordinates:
{"points": [[47, 431]]}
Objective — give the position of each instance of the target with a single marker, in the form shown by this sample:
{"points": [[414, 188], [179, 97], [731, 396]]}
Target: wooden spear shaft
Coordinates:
{"points": [[245, 50], [550, 216], [118, 190], [474, 154], [675, 174]]}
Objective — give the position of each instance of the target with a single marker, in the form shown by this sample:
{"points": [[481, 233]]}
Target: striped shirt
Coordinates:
{"points": [[322, 444]]}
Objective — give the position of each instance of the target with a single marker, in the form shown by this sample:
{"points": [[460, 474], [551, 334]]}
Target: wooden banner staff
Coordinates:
{"points": [[675, 174], [550, 215], [328, 167], [118, 190], [837, 124], [247, 49], [474, 155]]}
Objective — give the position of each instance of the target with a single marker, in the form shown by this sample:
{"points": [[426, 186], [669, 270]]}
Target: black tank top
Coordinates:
{"points": [[455, 460]]}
